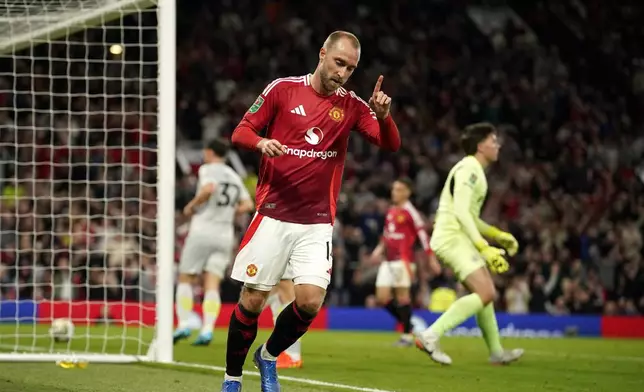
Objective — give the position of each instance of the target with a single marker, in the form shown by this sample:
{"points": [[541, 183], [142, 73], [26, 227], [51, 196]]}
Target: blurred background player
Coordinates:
{"points": [[220, 196], [403, 225], [282, 295], [458, 242], [308, 120]]}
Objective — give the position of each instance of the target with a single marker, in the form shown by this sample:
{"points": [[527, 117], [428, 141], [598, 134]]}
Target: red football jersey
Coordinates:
{"points": [[302, 185], [402, 226]]}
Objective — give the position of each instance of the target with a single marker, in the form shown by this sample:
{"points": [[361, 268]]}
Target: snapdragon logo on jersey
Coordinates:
{"points": [[313, 136]]}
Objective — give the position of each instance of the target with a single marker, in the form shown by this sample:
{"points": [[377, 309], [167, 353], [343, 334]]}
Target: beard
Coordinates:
{"points": [[327, 82]]}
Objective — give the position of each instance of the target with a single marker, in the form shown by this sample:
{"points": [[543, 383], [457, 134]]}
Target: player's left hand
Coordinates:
{"points": [[507, 241], [379, 101]]}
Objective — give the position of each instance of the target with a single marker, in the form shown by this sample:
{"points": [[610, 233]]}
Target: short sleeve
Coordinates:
{"points": [[206, 177]]}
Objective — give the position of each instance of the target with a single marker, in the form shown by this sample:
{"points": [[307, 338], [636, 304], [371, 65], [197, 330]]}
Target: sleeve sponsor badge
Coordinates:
{"points": [[258, 104]]}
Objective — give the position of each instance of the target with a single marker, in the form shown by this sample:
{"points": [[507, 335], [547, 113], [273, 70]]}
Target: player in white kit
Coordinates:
{"points": [[208, 249]]}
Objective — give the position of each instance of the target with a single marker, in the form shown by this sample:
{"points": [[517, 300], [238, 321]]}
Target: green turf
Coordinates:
{"points": [[359, 359]]}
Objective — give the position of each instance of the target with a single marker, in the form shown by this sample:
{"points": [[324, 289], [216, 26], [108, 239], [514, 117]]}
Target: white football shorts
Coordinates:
{"points": [[207, 252], [395, 274], [271, 250]]}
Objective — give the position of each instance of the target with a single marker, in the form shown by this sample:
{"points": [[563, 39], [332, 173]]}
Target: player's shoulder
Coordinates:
{"points": [[214, 168], [229, 171], [411, 210], [466, 164], [352, 98], [471, 162], [286, 83]]}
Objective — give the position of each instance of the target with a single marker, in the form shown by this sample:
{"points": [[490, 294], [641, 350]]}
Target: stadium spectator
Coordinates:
{"points": [[569, 184]]}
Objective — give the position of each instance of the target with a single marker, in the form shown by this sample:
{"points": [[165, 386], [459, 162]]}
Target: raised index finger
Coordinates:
{"points": [[378, 84]]}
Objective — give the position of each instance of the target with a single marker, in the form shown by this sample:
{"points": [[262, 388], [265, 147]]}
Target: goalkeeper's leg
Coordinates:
{"points": [[486, 320], [480, 283]]}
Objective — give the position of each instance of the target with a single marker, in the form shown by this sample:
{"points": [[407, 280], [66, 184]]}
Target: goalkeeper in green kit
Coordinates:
{"points": [[457, 240]]}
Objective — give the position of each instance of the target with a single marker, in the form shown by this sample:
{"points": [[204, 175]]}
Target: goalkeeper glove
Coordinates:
{"points": [[493, 257], [508, 241]]}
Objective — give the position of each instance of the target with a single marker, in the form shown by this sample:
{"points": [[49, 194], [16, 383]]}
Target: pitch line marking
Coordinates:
{"points": [[287, 378], [22, 348]]}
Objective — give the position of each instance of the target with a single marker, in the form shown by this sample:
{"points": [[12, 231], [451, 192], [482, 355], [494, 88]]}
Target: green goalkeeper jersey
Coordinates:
{"points": [[460, 203]]}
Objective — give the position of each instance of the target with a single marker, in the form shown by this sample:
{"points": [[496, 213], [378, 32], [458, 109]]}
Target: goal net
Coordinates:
{"points": [[83, 177]]}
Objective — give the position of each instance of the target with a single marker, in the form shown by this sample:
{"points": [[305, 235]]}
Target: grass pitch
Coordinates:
{"points": [[350, 361]]}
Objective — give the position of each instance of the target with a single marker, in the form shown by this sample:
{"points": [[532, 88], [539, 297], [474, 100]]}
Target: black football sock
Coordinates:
{"points": [[404, 311], [392, 308], [241, 335], [291, 324]]}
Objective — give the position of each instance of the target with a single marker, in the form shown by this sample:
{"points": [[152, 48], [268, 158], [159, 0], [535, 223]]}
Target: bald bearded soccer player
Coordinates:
{"points": [[308, 120]]}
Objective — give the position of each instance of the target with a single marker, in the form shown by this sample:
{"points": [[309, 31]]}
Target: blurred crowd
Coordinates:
{"points": [[569, 184]]}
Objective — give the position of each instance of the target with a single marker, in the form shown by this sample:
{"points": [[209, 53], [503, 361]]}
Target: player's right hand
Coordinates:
{"points": [[494, 257], [271, 147]]}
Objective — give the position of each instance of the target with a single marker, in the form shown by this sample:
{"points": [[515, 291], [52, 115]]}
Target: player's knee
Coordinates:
{"points": [[403, 298], [383, 300], [481, 283], [211, 282], [309, 305], [186, 278], [383, 296], [309, 298], [253, 300], [487, 293]]}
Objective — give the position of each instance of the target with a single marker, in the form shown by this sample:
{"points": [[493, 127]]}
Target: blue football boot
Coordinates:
{"points": [[267, 371], [231, 386], [180, 334], [203, 339]]}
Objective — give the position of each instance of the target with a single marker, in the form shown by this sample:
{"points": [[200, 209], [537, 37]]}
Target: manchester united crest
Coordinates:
{"points": [[251, 270], [336, 114], [400, 218]]}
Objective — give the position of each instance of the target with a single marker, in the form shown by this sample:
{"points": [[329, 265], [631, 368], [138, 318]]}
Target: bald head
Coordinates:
{"points": [[341, 37], [339, 57]]}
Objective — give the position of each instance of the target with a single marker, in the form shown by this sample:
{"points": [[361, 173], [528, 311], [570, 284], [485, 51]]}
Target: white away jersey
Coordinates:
{"points": [[229, 191]]}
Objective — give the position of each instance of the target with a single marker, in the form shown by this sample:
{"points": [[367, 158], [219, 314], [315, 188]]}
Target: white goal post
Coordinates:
{"points": [[87, 178]]}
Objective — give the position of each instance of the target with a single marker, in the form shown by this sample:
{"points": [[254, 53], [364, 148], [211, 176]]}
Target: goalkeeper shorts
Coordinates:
{"points": [[458, 253]]}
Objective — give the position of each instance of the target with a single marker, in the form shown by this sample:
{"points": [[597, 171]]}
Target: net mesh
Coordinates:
{"points": [[78, 105]]}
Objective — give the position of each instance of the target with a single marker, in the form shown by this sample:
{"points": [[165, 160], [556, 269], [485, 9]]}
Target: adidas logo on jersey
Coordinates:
{"points": [[299, 110]]}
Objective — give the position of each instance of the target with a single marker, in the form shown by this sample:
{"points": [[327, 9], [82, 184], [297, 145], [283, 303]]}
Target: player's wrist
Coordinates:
{"points": [[493, 232], [481, 244], [260, 142]]}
